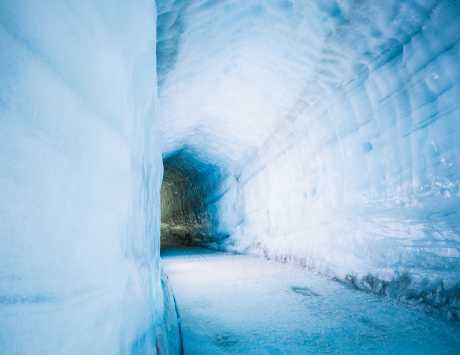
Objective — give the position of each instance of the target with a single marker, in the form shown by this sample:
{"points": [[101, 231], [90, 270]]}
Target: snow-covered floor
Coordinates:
{"points": [[239, 304]]}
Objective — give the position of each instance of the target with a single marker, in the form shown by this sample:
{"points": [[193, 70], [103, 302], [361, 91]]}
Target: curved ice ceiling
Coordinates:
{"points": [[338, 122], [234, 67], [233, 72]]}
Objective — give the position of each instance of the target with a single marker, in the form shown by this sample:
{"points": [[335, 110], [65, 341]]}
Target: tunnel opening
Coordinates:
{"points": [[189, 185]]}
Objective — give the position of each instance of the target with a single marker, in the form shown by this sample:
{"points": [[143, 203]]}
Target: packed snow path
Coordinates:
{"points": [[239, 304]]}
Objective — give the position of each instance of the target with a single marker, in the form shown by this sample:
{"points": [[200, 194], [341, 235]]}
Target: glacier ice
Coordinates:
{"points": [[80, 173], [337, 125], [326, 133]]}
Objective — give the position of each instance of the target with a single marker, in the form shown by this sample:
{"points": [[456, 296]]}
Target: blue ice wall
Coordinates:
{"points": [[339, 123], [80, 176]]}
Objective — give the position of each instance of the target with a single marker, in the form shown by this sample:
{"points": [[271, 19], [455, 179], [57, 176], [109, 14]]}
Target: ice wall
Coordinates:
{"points": [[80, 176], [339, 123]]}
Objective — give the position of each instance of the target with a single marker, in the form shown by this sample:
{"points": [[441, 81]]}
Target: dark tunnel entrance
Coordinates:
{"points": [[189, 185]]}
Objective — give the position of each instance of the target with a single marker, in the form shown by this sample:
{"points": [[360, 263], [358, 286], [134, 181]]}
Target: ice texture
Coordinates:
{"points": [[188, 185], [337, 123], [331, 128], [80, 177], [263, 307]]}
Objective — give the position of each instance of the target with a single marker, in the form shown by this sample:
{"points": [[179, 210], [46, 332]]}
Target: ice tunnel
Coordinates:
{"points": [[323, 134], [187, 195], [337, 122]]}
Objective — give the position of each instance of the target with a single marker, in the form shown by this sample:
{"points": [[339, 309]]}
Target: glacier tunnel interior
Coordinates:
{"points": [[187, 190], [229, 177]]}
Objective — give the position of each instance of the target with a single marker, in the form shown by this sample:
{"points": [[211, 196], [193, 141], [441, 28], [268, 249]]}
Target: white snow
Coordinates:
{"points": [[239, 304]]}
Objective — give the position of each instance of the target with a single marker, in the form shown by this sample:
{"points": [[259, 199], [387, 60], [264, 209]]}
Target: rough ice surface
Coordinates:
{"points": [[80, 177], [337, 124], [262, 307], [187, 186], [330, 130]]}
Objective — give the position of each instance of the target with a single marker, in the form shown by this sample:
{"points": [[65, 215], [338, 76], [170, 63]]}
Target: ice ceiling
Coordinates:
{"points": [[233, 74], [337, 123]]}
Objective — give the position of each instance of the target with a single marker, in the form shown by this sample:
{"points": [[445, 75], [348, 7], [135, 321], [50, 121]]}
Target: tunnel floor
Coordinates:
{"points": [[240, 304]]}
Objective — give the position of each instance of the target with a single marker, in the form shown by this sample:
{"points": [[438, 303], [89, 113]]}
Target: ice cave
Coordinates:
{"points": [[229, 177]]}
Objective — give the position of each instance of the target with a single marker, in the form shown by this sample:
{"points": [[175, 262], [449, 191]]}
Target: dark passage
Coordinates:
{"points": [[188, 186]]}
